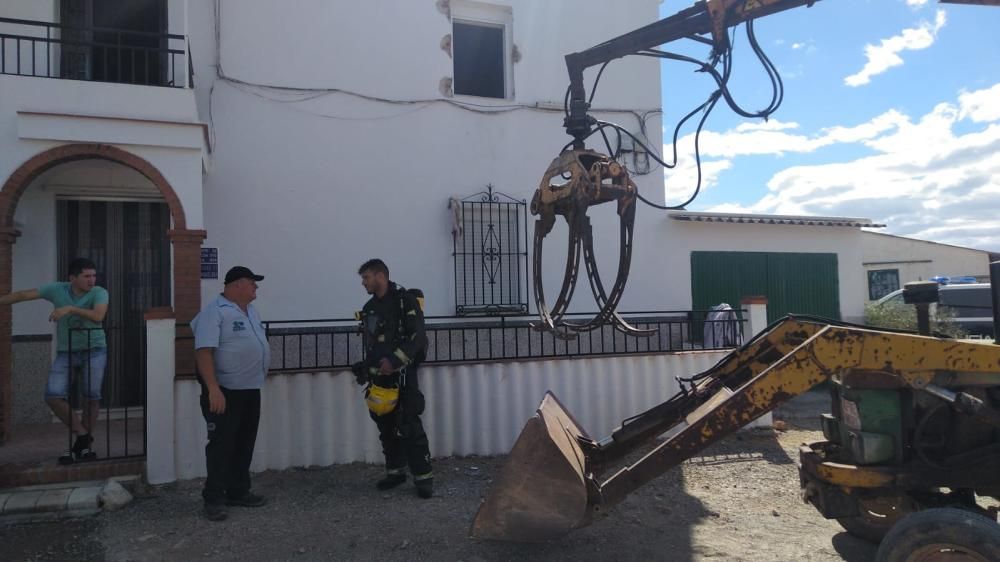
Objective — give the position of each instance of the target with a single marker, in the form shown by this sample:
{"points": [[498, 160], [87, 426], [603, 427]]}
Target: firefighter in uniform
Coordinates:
{"points": [[393, 324]]}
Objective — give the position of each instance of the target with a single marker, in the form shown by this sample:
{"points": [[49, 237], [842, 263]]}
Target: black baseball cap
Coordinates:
{"points": [[240, 272]]}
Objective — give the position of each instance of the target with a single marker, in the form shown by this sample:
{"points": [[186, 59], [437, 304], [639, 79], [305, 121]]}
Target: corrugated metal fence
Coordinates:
{"points": [[319, 418]]}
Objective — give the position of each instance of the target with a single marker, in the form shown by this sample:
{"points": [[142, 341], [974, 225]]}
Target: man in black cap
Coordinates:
{"points": [[233, 356]]}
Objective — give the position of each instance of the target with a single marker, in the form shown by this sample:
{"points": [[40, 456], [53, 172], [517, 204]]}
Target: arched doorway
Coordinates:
{"points": [[186, 243]]}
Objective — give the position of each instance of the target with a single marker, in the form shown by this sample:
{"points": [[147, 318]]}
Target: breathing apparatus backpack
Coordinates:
{"points": [[418, 296]]}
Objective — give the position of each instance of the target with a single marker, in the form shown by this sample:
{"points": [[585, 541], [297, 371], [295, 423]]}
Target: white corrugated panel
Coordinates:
{"points": [[319, 419]]}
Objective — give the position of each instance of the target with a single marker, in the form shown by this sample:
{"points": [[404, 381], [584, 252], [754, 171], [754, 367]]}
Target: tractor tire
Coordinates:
{"points": [[936, 534], [877, 517]]}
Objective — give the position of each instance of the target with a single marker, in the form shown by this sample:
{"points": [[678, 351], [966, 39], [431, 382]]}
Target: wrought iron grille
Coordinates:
{"points": [[121, 423], [491, 258]]}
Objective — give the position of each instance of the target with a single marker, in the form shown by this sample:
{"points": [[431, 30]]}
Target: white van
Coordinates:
{"points": [[970, 304]]}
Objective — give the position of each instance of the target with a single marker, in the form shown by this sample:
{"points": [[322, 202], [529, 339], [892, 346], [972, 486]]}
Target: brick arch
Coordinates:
{"points": [[186, 249], [19, 181]]}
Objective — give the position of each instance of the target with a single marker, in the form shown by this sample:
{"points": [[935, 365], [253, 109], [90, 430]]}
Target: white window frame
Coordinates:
{"points": [[488, 15]]}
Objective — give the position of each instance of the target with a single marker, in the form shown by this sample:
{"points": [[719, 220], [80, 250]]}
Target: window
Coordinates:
{"points": [[481, 39], [120, 41], [881, 282], [490, 244]]}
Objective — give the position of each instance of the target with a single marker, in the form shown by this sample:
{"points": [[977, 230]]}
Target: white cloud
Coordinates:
{"points": [[757, 138], [778, 138], [769, 125], [981, 106], [916, 2], [923, 178], [681, 181], [885, 55]]}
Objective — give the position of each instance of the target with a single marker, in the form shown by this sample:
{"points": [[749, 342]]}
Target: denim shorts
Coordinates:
{"points": [[91, 375]]}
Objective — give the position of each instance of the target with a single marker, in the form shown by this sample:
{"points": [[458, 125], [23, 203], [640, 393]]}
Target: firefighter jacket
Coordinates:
{"points": [[394, 329]]}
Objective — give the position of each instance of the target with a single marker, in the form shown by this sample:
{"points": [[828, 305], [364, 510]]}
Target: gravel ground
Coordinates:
{"points": [[738, 501]]}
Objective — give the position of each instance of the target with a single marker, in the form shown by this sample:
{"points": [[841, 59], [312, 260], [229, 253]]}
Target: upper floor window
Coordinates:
{"points": [[481, 46], [121, 41]]}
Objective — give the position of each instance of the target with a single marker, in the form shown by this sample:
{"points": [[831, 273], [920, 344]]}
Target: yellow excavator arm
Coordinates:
{"points": [[557, 477], [557, 480]]}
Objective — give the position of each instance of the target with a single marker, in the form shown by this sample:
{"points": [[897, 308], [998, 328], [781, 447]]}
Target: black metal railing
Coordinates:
{"points": [[98, 54], [337, 343], [490, 247], [120, 430]]}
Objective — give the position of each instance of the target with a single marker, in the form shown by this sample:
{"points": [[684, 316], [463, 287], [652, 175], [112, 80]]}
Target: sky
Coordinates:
{"points": [[891, 112]]}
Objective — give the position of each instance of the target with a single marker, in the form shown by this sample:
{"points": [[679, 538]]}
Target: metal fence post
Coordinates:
{"points": [[160, 371]]}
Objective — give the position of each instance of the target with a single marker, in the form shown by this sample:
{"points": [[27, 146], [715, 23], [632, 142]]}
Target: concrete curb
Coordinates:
{"points": [[59, 501]]}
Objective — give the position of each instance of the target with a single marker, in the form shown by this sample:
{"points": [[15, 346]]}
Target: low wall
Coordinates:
{"points": [[31, 357], [319, 419]]}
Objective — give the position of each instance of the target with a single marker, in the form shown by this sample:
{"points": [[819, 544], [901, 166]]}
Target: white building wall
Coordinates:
{"points": [[35, 10], [305, 191], [57, 112], [919, 260], [36, 114], [305, 186], [34, 258]]}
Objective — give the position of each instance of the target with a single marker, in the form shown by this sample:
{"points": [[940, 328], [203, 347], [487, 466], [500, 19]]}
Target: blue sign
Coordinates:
{"points": [[209, 263]]}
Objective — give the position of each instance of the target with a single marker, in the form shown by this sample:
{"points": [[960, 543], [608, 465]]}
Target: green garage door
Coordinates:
{"points": [[793, 283]]}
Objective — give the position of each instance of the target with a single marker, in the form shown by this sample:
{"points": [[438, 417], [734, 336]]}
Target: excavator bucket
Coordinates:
{"points": [[541, 492]]}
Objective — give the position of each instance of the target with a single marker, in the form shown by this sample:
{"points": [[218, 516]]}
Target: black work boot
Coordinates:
{"points": [[215, 511], [248, 499], [425, 487], [390, 481]]}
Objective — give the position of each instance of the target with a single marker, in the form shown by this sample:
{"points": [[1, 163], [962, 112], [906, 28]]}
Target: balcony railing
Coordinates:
{"points": [[97, 54]]}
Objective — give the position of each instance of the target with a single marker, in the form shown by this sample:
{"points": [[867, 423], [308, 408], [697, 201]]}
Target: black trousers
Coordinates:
{"points": [[404, 442], [231, 438]]}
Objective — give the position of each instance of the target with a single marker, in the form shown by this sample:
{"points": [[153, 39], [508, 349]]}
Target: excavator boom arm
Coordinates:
{"points": [[552, 482], [705, 16]]}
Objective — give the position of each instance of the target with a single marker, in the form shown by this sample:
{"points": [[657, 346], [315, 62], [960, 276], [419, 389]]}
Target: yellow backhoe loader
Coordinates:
{"points": [[913, 437]]}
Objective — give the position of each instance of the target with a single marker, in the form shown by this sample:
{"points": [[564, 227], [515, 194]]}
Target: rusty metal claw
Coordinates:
{"points": [[573, 182]]}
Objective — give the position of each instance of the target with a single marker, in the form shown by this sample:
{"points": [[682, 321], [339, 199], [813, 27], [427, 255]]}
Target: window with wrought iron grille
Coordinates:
{"points": [[490, 252], [481, 43]]}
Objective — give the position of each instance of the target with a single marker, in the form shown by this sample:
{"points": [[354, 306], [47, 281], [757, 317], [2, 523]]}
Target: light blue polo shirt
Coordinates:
{"points": [[242, 355], [86, 334]]}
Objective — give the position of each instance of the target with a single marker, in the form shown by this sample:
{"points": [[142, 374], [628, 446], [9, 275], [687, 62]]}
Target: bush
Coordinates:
{"points": [[904, 317]]}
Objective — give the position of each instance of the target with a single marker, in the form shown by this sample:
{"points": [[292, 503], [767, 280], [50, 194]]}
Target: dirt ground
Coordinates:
{"points": [[738, 501]]}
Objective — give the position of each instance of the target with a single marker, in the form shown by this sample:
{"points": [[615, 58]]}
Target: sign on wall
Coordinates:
{"points": [[209, 263]]}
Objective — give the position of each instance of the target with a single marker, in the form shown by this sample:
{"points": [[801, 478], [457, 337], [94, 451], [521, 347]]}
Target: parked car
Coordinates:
{"points": [[970, 306]]}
